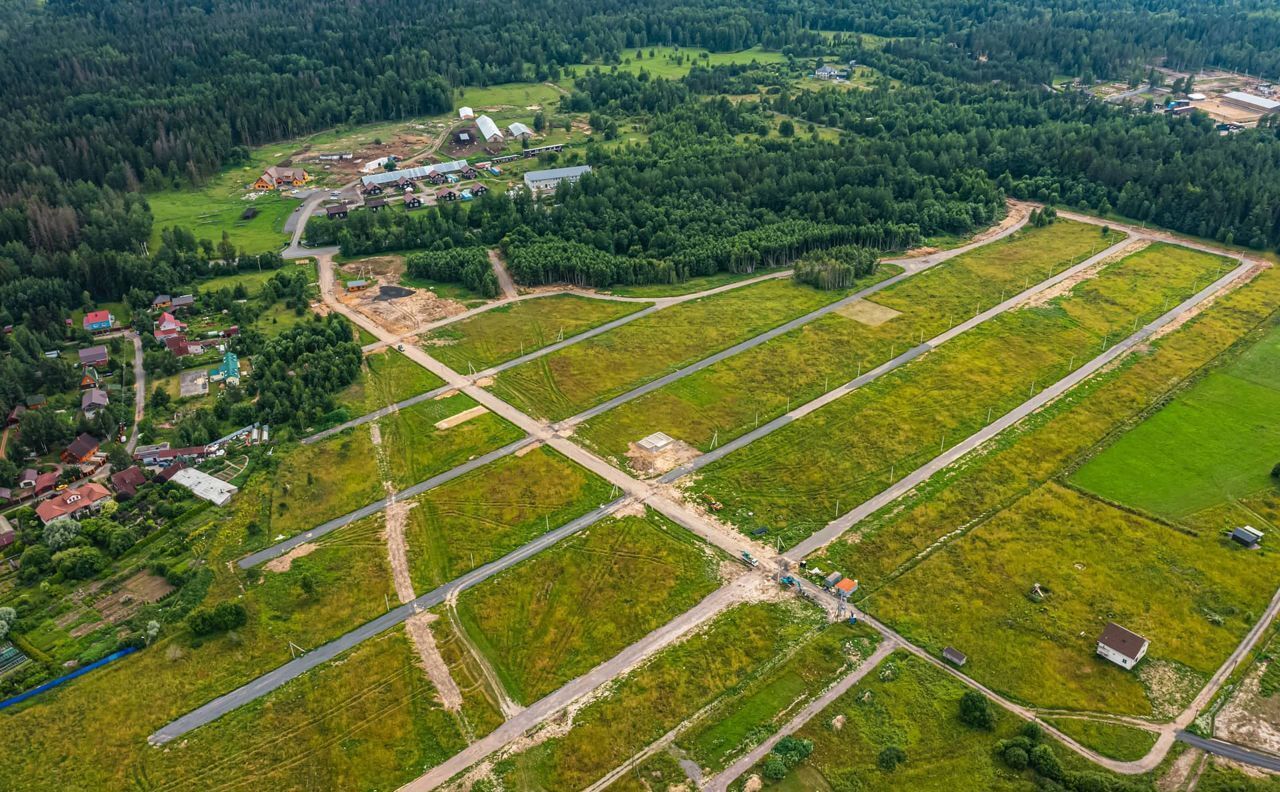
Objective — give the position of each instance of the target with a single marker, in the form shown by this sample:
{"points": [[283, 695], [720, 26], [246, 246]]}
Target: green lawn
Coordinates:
{"points": [[675, 62], [689, 286], [218, 206], [1114, 740], [386, 378], [562, 383], [1216, 442], [416, 449], [487, 513], [508, 331], [797, 479], [556, 616]]}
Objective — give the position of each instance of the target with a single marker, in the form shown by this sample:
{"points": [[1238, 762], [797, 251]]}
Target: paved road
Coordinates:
{"points": [[730, 774], [280, 549], [1231, 751], [376, 414], [139, 392], [319, 656]]}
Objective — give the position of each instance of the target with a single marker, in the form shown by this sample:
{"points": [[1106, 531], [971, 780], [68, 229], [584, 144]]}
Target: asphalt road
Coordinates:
{"points": [[320, 655], [280, 549], [1230, 751], [376, 414]]}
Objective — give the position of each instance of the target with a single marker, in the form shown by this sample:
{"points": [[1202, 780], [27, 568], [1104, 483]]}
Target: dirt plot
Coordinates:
{"points": [[418, 628], [1251, 718], [284, 562], [139, 590], [193, 383], [868, 313], [462, 417], [655, 463], [1221, 111], [395, 307]]}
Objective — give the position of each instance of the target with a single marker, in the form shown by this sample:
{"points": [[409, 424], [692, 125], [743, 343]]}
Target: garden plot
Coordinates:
{"points": [[731, 397], [508, 331], [491, 511], [796, 480], [556, 616], [569, 380]]}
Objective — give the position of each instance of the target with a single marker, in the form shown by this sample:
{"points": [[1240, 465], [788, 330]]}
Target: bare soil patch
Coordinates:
{"points": [[141, 589], [655, 463], [284, 562], [462, 417], [1066, 286], [868, 313], [1249, 718], [397, 549], [526, 449], [418, 628], [399, 309]]}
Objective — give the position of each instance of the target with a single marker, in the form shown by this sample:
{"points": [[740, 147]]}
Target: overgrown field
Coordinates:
{"points": [[1114, 740], [729, 398], [557, 615], [676, 683], [1217, 442], [491, 511], [508, 331], [416, 449], [797, 479], [386, 378], [565, 382], [315, 483]]}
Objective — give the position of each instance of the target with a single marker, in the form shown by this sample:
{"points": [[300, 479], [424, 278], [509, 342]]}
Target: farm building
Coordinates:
{"points": [[412, 174], [339, 211], [81, 449], [73, 502], [275, 178], [1251, 102], [1247, 535], [519, 131], [127, 481], [357, 285], [93, 356], [954, 656], [547, 180], [98, 321], [1122, 647], [466, 113], [202, 485], [488, 130], [93, 400]]}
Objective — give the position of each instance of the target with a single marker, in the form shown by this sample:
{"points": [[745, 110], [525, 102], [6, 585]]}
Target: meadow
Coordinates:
{"points": [[729, 398], [491, 511], [385, 378], [556, 616], [415, 449], [315, 483], [564, 382], [511, 330], [676, 62], [795, 480], [679, 681], [1214, 443], [1113, 740]]}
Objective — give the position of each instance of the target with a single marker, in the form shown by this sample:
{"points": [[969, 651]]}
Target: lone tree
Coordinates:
{"points": [[975, 711], [890, 758]]}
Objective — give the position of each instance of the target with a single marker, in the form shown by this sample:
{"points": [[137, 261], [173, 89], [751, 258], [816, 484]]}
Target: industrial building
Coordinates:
{"points": [[202, 485]]}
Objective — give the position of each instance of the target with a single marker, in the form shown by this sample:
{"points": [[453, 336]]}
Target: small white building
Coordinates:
{"points": [[519, 131], [488, 130], [656, 442], [202, 485], [466, 113], [548, 180], [1122, 647]]}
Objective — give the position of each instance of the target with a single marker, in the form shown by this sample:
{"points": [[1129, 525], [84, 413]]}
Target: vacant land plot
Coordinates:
{"points": [[676, 683], [727, 399], [1216, 442], [419, 442], [506, 332], [689, 286], [562, 383], [315, 483], [909, 705], [1193, 597], [802, 476], [556, 616], [386, 378], [1114, 740], [487, 513], [675, 62]]}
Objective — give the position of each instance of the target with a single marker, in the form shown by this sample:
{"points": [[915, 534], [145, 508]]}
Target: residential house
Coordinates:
{"points": [[161, 301], [371, 189], [375, 204], [446, 196], [127, 481], [92, 401], [15, 415], [94, 356], [276, 177], [36, 401], [45, 482], [479, 189], [6, 496], [412, 202], [470, 173], [73, 502], [28, 478], [228, 372], [1122, 647], [89, 378], [166, 326], [542, 181], [185, 301], [488, 130], [520, 131], [81, 450], [181, 346], [167, 473], [827, 72], [98, 321]]}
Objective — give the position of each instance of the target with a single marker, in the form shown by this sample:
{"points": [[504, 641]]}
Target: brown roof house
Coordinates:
{"points": [[1122, 647], [127, 481], [81, 449]]}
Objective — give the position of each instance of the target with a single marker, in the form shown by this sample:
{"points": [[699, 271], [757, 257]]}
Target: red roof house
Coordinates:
{"points": [[73, 502], [128, 480]]}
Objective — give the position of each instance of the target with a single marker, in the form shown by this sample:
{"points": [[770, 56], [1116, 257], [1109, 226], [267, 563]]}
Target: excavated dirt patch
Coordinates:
{"points": [[462, 417], [418, 627], [655, 463], [868, 313], [284, 562], [1249, 718]]}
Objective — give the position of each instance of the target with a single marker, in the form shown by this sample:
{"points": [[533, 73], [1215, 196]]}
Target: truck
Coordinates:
{"points": [[749, 559]]}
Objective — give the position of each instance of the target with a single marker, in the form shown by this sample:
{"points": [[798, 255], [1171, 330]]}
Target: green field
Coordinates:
{"points": [[487, 513], [556, 616], [564, 382], [387, 377], [508, 331], [677, 682], [731, 397], [797, 479], [675, 62], [315, 483], [1214, 443], [1114, 740], [416, 449], [688, 286]]}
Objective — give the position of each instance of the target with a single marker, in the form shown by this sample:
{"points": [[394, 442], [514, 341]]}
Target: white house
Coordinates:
{"points": [[466, 113], [1122, 647], [489, 130]]}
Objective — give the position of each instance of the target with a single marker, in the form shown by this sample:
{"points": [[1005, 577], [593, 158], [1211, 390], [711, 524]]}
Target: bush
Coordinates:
{"points": [[220, 618], [1015, 757], [793, 750], [1045, 762], [890, 758], [79, 563], [774, 768], [975, 711]]}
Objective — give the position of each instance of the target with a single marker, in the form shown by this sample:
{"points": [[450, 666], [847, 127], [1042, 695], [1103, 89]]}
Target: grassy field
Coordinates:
{"points": [[416, 449], [643, 706], [697, 284], [562, 383], [797, 479], [386, 378], [908, 704], [489, 512], [1214, 443], [315, 483], [508, 331], [91, 734], [556, 616], [1114, 740], [729, 398], [675, 62]]}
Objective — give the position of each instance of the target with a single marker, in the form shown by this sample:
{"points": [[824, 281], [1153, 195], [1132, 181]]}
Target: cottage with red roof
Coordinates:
{"points": [[73, 502], [98, 321], [167, 326], [45, 482]]}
